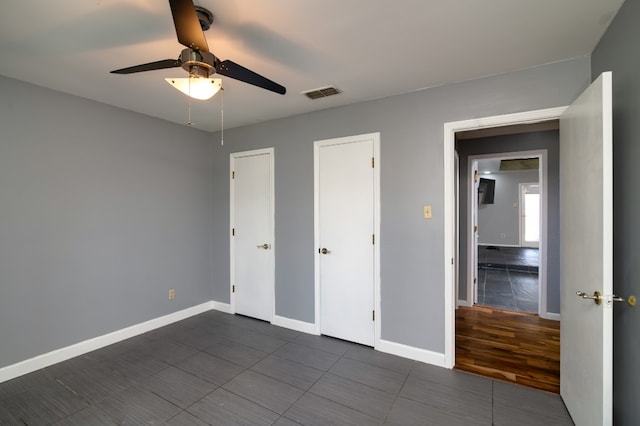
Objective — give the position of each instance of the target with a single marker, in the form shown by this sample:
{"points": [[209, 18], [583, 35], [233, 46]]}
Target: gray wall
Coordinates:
{"points": [[411, 127], [503, 216], [547, 140], [618, 52], [102, 211]]}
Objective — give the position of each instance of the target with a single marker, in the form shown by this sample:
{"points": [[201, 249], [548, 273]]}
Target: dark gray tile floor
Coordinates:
{"points": [[514, 258], [508, 278], [220, 369]]}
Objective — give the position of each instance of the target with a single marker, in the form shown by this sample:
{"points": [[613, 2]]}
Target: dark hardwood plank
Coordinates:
{"points": [[516, 347]]}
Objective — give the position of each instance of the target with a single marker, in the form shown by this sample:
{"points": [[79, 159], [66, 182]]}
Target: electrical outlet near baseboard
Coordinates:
{"points": [[172, 294]]}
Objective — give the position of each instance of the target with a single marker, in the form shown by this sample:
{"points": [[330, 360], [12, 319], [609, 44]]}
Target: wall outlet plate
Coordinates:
{"points": [[426, 212]]}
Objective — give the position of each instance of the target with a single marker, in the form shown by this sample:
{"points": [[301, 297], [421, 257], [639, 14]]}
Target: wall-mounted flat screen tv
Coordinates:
{"points": [[486, 191]]}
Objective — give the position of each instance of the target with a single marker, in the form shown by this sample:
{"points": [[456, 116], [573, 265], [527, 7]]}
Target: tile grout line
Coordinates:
{"points": [[308, 389], [493, 403]]}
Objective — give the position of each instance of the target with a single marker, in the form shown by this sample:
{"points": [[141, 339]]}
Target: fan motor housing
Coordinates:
{"points": [[198, 63], [205, 17]]}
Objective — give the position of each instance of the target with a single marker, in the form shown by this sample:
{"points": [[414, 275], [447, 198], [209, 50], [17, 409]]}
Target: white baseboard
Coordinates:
{"points": [[550, 316], [301, 326], [222, 307], [422, 355], [41, 361], [463, 303], [499, 245]]}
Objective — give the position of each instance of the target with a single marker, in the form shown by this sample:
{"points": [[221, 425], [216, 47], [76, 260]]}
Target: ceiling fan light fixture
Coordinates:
{"points": [[197, 87], [190, 21]]}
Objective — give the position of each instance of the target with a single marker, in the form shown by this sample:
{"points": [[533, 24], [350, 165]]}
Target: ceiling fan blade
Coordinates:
{"points": [[157, 65], [187, 25], [231, 69]]}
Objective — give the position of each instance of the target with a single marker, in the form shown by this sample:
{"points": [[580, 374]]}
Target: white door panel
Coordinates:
{"points": [[252, 224], [586, 196], [346, 228]]}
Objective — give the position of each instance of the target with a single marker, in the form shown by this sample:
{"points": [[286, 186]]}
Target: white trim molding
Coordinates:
{"points": [[498, 245], [416, 354], [41, 361], [550, 316], [222, 307], [292, 324], [464, 303]]}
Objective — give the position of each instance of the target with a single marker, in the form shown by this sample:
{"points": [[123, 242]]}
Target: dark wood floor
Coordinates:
{"points": [[512, 346]]}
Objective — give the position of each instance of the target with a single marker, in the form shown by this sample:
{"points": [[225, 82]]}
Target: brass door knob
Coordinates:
{"points": [[325, 251], [264, 246], [631, 300], [597, 296]]}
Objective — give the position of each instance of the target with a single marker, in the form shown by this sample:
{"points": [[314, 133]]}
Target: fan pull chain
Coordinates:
{"points": [[221, 116], [189, 110]]}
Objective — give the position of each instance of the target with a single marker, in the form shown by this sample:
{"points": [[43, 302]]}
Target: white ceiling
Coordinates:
{"points": [[489, 166], [367, 48]]}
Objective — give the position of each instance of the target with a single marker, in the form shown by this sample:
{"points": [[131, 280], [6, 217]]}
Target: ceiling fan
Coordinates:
{"points": [[190, 22]]}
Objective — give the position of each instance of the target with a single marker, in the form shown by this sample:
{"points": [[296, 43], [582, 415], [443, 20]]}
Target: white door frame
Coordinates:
{"points": [[450, 130], [376, 224], [473, 182], [456, 265], [472, 243], [232, 278]]}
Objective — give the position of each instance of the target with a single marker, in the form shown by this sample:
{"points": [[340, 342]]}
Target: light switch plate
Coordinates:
{"points": [[427, 212]]}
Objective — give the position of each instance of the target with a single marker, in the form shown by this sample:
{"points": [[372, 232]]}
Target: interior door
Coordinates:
{"points": [[586, 200], [345, 226], [252, 269]]}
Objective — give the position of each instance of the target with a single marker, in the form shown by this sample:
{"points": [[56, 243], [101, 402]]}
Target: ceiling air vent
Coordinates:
{"points": [[322, 92]]}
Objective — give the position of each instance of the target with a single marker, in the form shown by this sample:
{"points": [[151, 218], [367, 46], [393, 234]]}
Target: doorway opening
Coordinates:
{"points": [[504, 270], [507, 192], [472, 315], [585, 163]]}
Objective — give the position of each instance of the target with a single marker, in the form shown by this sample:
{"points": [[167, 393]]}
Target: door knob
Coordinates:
{"points": [[598, 298], [264, 246], [325, 251], [631, 300]]}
